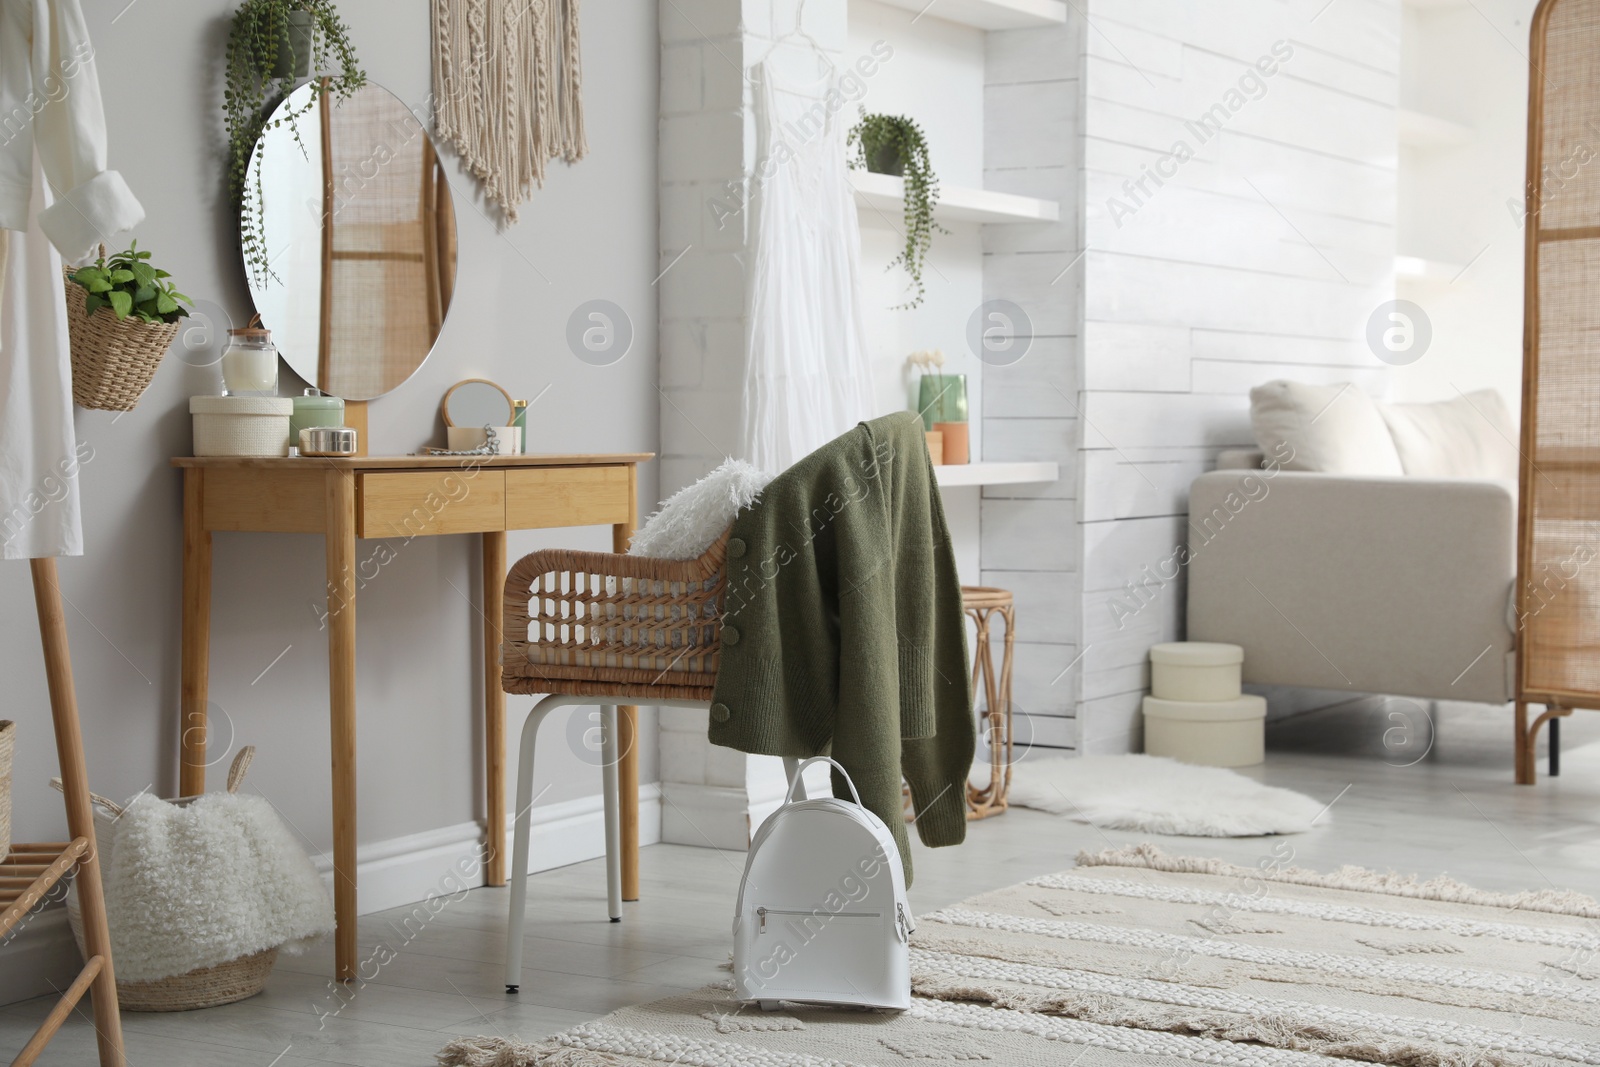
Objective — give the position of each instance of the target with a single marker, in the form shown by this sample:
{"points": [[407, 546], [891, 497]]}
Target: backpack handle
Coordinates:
{"points": [[801, 770]]}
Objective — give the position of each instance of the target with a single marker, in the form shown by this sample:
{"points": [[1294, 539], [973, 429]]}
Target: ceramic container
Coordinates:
{"points": [[241, 425], [315, 408]]}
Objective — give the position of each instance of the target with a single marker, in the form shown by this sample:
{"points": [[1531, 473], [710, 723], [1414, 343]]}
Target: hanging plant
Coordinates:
{"points": [[271, 46], [893, 144]]}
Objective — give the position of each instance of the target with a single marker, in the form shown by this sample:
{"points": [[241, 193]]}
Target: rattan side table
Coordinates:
{"points": [[982, 603]]}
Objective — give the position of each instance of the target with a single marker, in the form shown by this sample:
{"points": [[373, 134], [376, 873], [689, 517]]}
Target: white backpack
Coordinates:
{"points": [[822, 913]]}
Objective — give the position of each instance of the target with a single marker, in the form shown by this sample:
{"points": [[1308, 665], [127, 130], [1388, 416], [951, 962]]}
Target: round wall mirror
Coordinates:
{"points": [[477, 402], [358, 231]]}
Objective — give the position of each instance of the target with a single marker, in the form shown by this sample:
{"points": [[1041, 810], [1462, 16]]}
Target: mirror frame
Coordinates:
{"points": [[444, 403]]}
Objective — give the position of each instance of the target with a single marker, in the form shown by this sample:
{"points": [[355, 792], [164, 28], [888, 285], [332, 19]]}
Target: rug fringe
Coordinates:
{"points": [[509, 1052], [1360, 879]]}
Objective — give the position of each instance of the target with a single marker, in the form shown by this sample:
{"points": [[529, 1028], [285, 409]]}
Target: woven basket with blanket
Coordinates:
{"points": [[201, 894]]}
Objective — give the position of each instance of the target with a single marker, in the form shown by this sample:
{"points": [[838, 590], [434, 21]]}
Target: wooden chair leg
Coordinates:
{"points": [[1528, 741], [1523, 760]]}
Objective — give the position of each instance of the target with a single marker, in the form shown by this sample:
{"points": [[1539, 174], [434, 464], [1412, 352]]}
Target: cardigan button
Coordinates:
{"points": [[720, 713], [730, 636], [735, 547]]}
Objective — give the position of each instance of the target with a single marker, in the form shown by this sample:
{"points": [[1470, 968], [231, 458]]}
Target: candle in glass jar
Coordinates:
{"points": [[250, 365]]}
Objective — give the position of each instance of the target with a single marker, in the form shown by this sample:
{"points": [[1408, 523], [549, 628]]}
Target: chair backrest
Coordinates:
{"points": [[605, 623]]}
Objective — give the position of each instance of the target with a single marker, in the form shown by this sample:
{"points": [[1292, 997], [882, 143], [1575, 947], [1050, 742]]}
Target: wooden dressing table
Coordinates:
{"points": [[396, 496]]}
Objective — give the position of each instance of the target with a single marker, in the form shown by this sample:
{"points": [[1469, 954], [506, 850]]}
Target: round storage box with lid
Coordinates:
{"points": [[1195, 670], [241, 425], [1216, 733]]}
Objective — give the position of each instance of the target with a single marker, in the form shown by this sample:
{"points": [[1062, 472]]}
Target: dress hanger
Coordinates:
{"points": [[799, 31]]}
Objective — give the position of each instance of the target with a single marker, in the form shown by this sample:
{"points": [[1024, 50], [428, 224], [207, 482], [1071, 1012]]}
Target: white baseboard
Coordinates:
{"points": [[393, 872], [404, 870], [712, 816], [39, 958]]}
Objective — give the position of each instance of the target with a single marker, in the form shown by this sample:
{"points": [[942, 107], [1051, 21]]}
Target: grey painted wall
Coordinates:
{"points": [[590, 233]]}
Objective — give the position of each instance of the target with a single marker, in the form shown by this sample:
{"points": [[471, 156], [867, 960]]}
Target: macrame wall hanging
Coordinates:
{"points": [[508, 82]]}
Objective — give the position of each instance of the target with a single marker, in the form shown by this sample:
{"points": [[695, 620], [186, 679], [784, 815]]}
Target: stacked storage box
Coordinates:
{"points": [[1195, 711]]}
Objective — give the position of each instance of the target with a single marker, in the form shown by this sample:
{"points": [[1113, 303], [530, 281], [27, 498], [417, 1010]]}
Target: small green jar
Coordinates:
{"points": [[315, 408]]}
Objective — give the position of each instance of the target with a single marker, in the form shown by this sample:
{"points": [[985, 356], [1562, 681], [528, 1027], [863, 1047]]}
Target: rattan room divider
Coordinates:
{"points": [[1558, 536]]}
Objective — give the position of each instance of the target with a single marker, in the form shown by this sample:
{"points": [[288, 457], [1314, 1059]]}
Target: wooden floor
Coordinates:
{"points": [[1455, 810]]}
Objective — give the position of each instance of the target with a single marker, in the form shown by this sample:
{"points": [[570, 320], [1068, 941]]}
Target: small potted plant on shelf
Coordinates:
{"points": [[122, 314], [271, 46], [893, 144]]}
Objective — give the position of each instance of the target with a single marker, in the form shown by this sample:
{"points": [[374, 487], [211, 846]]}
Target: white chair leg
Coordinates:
{"points": [[519, 849], [612, 791], [791, 767]]}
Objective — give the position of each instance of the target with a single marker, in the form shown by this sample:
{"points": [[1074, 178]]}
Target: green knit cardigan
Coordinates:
{"points": [[843, 632]]}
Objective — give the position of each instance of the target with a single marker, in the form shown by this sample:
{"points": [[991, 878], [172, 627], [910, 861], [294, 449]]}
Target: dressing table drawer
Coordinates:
{"points": [[420, 503], [544, 497]]}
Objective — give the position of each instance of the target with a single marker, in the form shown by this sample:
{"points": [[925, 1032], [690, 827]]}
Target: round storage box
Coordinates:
{"points": [[1217, 733], [241, 425], [1195, 670]]}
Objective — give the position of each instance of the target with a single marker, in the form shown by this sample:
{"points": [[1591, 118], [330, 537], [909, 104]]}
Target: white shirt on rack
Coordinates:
{"points": [[52, 130]]}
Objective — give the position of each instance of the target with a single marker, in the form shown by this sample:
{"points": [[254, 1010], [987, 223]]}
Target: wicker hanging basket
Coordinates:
{"points": [[113, 360], [205, 987]]}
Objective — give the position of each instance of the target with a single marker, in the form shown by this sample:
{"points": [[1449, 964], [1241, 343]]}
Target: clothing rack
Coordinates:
{"points": [[29, 870]]}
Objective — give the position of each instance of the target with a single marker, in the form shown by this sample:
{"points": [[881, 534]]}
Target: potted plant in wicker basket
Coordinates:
{"points": [[122, 314]]}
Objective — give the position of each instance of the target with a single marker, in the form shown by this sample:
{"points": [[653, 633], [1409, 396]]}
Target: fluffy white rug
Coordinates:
{"points": [[695, 516], [1160, 796]]}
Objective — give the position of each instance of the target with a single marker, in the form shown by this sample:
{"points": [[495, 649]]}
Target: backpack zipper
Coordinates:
{"points": [[902, 924], [763, 912]]}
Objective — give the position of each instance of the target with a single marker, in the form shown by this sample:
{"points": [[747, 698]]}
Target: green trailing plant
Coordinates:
{"points": [[259, 33], [893, 144], [128, 285]]}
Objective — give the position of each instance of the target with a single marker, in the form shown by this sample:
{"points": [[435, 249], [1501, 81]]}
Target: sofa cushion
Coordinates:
{"points": [[1471, 436], [1335, 429]]}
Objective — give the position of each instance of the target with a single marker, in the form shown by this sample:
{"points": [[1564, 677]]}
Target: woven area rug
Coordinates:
{"points": [[1135, 956]]}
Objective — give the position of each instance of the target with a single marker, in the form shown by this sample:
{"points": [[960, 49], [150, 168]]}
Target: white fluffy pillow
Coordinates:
{"points": [[695, 516], [1335, 429], [1471, 436]]}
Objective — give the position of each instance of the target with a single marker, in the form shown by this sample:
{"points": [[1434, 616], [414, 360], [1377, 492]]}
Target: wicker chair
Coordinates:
{"points": [[601, 628]]}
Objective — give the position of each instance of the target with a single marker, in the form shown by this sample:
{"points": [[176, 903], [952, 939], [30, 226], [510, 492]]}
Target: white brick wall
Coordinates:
{"points": [[1261, 257], [710, 796], [1030, 534]]}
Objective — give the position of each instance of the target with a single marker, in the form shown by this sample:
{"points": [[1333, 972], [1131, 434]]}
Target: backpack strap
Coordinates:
{"points": [[801, 770]]}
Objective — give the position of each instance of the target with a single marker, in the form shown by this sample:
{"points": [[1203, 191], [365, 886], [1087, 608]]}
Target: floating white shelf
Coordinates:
{"points": [[990, 14], [882, 198], [995, 473], [1418, 269], [1420, 130]]}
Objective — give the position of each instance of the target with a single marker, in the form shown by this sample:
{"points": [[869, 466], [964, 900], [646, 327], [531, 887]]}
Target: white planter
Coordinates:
{"points": [[1195, 670], [1216, 733], [241, 425]]}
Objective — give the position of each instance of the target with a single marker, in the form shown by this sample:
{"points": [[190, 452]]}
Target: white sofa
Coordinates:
{"points": [[1368, 548]]}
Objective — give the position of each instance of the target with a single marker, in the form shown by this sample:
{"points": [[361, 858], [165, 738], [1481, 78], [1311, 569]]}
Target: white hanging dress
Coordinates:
{"points": [[54, 129], [807, 375]]}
